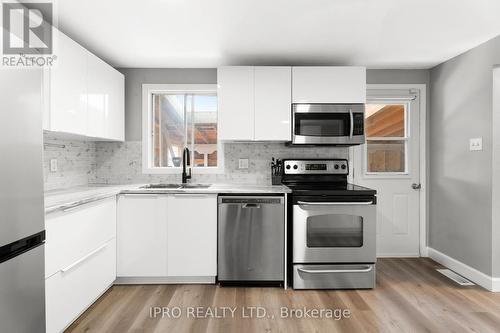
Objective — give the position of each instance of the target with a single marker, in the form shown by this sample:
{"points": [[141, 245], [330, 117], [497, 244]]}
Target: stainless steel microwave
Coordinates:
{"points": [[328, 124]]}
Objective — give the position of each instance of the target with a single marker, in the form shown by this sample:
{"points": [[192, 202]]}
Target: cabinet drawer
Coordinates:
{"points": [[69, 293], [340, 276], [74, 233]]}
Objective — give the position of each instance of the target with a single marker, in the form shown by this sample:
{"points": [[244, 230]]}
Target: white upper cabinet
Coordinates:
{"points": [[273, 97], [68, 87], [85, 95], [97, 97], [235, 95], [254, 103], [115, 121], [105, 100], [328, 84]]}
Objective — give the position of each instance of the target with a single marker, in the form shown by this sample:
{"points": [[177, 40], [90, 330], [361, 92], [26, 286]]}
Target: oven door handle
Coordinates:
{"points": [[351, 117], [365, 269], [354, 203]]}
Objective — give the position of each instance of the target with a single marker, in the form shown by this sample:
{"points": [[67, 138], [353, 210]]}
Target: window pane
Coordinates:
{"points": [[181, 120], [386, 156], [204, 124], [168, 129], [385, 120]]}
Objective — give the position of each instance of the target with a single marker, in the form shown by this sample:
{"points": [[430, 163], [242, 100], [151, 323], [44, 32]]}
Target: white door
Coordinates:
{"points": [[390, 163]]}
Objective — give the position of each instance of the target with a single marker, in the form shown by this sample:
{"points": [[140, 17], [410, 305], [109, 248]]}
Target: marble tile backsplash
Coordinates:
{"points": [[83, 162], [75, 162], [121, 163]]}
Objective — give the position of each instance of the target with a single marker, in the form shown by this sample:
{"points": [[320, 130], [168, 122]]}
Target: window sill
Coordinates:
{"points": [[178, 171]]}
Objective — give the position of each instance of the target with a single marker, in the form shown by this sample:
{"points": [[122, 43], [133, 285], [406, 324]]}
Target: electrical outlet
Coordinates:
{"points": [[475, 144], [243, 163], [53, 165]]}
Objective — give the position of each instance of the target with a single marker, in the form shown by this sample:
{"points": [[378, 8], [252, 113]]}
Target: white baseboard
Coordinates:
{"points": [[398, 255], [484, 280]]}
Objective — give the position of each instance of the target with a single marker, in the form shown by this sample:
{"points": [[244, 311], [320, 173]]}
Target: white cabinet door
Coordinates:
{"points": [[106, 90], [142, 235], [273, 111], [328, 84], [76, 232], [98, 97], [68, 87], [115, 121], [69, 293], [192, 235], [235, 96]]}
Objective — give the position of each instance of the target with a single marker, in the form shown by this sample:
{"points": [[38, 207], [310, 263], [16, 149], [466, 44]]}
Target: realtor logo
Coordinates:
{"points": [[27, 28]]}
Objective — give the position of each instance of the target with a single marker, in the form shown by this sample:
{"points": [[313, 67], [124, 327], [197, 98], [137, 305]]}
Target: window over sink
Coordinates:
{"points": [[177, 116]]}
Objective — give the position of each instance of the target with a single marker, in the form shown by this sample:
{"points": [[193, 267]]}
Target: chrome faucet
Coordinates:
{"points": [[186, 165]]}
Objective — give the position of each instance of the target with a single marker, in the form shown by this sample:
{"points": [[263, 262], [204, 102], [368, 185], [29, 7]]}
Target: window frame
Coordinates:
{"points": [[147, 132], [406, 139]]}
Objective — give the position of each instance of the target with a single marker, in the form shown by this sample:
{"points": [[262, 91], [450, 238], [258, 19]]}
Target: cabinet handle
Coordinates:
{"points": [[351, 119], [78, 262], [195, 195], [84, 202], [150, 195]]}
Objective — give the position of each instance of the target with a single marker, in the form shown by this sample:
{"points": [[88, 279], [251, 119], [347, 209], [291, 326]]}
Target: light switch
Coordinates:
{"points": [[475, 144], [53, 165], [243, 163]]}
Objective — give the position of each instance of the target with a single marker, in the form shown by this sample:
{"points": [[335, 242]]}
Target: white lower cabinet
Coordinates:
{"points": [[192, 235], [170, 238], [142, 235], [78, 231], [80, 260], [69, 293]]}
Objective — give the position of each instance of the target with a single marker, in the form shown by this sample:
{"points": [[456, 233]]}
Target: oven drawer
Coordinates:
{"points": [[355, 276]]}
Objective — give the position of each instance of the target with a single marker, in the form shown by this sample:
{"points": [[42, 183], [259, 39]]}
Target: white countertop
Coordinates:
{"points": [[61, 199]]}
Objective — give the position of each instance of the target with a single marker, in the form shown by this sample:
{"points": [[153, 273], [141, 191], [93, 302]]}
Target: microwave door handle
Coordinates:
{"points": [[351, 117], [363, 203]]}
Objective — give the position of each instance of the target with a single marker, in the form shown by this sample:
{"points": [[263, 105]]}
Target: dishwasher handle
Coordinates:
{"points": [[246, 202], [251, 205]]}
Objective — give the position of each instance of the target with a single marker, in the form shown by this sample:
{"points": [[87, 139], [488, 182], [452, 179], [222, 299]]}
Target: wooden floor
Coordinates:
{"points": [[410, 297]]}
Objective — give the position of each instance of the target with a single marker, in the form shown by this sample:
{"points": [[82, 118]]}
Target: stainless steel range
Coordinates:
{"points": [[334, 226]]}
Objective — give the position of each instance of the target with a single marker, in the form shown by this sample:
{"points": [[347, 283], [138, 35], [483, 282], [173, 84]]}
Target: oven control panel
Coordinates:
{"points": [[304, 167]]}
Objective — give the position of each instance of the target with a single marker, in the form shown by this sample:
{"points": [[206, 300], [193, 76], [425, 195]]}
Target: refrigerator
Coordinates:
{"points": [[22, 234]]}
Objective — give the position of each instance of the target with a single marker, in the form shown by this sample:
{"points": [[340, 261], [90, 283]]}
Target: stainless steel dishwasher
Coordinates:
{"points": [[251, 239]]}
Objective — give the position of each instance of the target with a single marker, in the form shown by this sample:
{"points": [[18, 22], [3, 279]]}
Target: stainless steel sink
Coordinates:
{"points": [[160, 186], [195, 185]]}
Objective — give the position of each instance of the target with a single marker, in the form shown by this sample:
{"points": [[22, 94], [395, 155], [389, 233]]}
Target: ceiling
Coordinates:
{"points": [[209, 33]]}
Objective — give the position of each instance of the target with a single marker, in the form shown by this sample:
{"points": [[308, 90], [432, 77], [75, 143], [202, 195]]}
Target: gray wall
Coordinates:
{"points": [[398, 76], [460, 209], [135, 77]]}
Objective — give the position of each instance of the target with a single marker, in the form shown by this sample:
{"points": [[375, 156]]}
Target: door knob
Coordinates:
{"points": [[416, 186]]}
